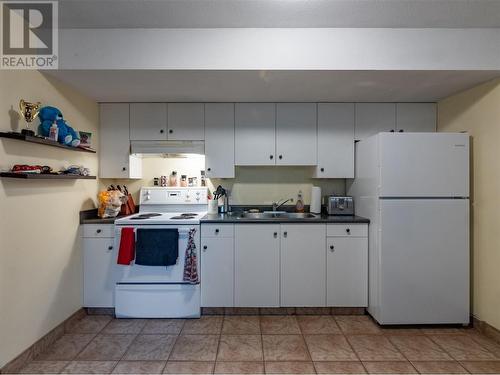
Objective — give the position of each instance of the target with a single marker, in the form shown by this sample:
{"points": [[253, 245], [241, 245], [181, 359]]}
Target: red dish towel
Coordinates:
{"points": [[126, 253]]}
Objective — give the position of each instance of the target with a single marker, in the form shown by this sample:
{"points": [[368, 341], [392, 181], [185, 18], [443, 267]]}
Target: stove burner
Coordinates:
{"points": [[145, 216], [189, 214], [182, 217]]}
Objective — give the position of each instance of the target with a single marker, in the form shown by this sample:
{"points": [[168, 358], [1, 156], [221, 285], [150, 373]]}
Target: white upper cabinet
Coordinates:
{"points": [[115, 160], [303, 271], [373, 118], [335, 140], [296, 134], [255, 127], [186, 121], [219, 140], [416, 117], [148, 121]]}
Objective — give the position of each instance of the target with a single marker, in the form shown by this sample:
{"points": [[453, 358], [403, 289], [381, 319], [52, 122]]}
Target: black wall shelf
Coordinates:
{"points": [[46, 176], [42, 141]]}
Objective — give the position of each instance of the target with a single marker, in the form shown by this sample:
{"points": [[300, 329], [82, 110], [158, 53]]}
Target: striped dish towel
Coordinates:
{"points": [[191, 261]]}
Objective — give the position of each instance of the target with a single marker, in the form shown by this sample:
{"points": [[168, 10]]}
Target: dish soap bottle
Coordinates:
{"points": [[299, 206]]}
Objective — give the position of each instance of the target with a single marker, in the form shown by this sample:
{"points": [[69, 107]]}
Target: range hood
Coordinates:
{"points": [[177, 148]]}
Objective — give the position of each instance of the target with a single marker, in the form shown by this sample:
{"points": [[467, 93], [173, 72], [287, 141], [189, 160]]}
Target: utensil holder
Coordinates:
{"points": [[213, 205]]}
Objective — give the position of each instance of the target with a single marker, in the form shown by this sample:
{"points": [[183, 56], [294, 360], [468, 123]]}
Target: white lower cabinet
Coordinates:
{"points": [[257, 265], [347, 271], [217, 272], [99, 271], [288, 265], [303, 270]]}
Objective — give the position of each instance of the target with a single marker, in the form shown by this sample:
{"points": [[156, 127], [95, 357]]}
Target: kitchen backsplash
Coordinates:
{"points": [[252, 185]]}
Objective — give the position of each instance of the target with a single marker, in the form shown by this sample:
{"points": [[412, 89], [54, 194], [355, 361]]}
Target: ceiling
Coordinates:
{"points": [[279, 13], [270, 86]]}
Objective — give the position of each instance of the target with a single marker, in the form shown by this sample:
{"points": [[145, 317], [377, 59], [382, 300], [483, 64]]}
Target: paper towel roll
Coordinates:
{"points": [[315, 200]]}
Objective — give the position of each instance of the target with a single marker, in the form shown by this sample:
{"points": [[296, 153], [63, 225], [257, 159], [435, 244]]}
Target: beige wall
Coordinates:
{"points": [[252, 185], [478, 111], [40, 259]]}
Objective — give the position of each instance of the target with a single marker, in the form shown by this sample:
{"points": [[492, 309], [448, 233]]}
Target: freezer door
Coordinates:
{"points": [[424, 261], [424, 165]]}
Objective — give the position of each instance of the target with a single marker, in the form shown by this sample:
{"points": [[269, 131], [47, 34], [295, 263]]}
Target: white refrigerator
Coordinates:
{"points": [[414, 188]]}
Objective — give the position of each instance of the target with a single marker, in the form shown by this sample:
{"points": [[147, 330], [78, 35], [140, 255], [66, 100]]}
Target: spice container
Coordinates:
{"points": [[184, 182], [203, 179], [172, 180]]}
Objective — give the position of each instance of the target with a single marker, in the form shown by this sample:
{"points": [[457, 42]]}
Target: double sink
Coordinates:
{"points": [[270, 215]]}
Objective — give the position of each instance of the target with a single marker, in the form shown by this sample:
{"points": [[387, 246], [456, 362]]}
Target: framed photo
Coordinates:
{"points": [[85, 139]]}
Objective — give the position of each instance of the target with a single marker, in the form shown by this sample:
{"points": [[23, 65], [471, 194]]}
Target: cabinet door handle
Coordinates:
{"points": [[110, 248], [281, 157], [170, 131], [205, 247], [401, 130], [124, 169], [98, 231], [322, 169], [271, 157], [275, 234], [217, 231], [162, 131], [209, 169], [332, 248], [348, 231], [285, 234], [392, 130]]}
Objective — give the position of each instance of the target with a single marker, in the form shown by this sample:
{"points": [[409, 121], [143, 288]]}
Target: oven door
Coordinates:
{"points": [[136, 274]]}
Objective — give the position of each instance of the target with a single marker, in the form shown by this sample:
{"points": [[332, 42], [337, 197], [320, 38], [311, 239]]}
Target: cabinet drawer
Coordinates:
{"points": [[217, 230], [98, 230], [347, 230]]}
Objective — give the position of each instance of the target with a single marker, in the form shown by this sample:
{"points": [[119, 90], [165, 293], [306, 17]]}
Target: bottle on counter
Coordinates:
{"points": [[299, 206], [172, 179]]}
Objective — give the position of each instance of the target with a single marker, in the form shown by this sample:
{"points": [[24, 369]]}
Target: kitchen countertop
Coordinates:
{"points": [[90, 217], [323, 218]]}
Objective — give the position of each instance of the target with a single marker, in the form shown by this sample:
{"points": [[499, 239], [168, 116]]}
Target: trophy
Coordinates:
{"points": [[29, 111]]}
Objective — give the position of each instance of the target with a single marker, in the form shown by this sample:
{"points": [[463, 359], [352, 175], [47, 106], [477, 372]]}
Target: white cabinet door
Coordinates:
{"points": [[373, 118], [256, 265], [219, 140], [335, 140], [296, 134], [416, 117], [99, 272], [186, 121], [115, 160], [255, 128], [148, 121], [217, 272], [347, 272], [303, 270]]}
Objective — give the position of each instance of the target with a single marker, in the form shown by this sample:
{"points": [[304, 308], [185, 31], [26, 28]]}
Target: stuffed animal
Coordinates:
{"points": [[66, 134]]}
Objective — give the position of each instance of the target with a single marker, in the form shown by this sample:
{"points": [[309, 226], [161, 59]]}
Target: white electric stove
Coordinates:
{"points": [[153, 291]]}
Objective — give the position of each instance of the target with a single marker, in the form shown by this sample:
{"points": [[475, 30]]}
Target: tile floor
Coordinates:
{"points": [[322, 344]]}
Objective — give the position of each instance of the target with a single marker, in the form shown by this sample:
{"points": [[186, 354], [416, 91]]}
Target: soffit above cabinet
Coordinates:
{"points": [[270, 86]]}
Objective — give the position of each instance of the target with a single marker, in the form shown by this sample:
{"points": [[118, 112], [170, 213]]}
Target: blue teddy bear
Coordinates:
{"points": [[66, 134]]}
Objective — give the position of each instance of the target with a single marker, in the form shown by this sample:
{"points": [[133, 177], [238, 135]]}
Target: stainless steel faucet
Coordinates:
{"points": [[277, 205]]}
